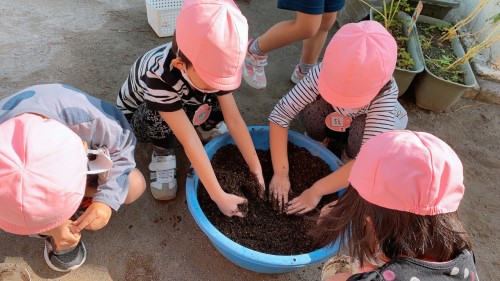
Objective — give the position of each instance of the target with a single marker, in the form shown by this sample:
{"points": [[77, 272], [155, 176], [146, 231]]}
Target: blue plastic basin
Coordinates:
{"points": [[236, 253]]}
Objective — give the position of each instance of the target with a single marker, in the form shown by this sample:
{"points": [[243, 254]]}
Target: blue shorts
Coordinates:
{"points": [[312, 7]]}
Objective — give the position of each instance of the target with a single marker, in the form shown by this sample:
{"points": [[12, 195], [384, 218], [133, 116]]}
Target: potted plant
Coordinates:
{"points": [[437, 8], [410, 60], [447, 69]]}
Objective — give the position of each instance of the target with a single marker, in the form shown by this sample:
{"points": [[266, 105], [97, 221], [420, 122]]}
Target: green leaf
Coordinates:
{"points": [[496, 18]]}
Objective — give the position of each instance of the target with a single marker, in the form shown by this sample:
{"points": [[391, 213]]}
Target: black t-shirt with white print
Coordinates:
{"points": [[153, 80]]}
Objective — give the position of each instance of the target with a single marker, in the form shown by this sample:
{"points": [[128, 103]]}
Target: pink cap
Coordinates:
{"points": [[409, 171], [359, 60], [43, 168], [213, 34]]}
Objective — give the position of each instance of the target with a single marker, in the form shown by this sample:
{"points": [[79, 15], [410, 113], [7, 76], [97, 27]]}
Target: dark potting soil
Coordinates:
{"points": [[264, 229], [438, 55]]}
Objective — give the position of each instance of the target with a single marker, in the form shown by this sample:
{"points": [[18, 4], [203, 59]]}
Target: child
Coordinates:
{"points": [[400, 210], [351, 93], [46, 133], [176, 87], [313, 20]]}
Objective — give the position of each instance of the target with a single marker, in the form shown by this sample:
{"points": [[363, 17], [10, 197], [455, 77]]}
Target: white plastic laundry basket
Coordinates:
{"points": [[162, 15]]}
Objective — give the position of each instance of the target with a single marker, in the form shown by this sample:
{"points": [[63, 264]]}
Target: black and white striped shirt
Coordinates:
{"points": [[154, 80], [384, 112]]}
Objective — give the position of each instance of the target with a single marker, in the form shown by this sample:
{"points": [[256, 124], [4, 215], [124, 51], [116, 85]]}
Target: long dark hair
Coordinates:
{"points": [[396, 234], [175, 50]]}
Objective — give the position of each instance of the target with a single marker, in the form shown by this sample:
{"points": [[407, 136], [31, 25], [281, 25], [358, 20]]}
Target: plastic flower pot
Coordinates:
{"points": [[435, 93], [437, 8], [236, 253], [404, 77]]}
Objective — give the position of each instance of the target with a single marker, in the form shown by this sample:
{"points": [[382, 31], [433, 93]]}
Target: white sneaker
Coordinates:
{"points": [[218, 130], [253, 70], [163, 181], [297, 74]]}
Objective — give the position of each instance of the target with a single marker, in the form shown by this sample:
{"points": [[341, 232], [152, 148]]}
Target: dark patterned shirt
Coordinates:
{"points": [[381, 113], [154, 80], [406, 269]]}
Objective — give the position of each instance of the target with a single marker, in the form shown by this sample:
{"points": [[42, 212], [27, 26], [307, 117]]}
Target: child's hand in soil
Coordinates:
{"points": [[232, 205], [304, 203], [278, 192], [95, 217]]}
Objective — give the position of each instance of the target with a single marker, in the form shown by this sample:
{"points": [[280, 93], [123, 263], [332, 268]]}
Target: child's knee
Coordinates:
{"points": [[307, 25], [308, 31], [137, 185]]}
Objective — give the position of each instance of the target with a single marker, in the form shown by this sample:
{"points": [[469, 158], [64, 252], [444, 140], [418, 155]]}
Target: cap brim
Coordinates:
{"points": [[222, 84]]}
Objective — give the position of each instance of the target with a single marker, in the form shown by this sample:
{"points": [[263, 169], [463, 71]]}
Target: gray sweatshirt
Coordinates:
{"points": [[97, 122]]}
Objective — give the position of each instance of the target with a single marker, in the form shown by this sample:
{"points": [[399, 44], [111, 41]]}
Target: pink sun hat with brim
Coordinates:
{"points": [[359, 60], [43, 168], [213, 35], [409, 171]]}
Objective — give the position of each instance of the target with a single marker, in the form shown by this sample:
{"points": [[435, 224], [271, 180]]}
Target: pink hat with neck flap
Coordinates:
{"points": [[213, 35], [359, 60], [43, 167], [409, 171]]}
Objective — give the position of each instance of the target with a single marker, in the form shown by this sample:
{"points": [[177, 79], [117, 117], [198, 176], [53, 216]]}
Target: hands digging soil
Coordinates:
{"points": [[305, 202], [279, 190], [256, 188], [264, 229]]}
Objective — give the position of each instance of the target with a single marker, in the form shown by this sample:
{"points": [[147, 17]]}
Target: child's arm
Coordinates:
{"points": [[381, 114], [112, 131], [239, 131], [310, 198], [95, 217], [280, 183], [186, 134], [302, 94]]}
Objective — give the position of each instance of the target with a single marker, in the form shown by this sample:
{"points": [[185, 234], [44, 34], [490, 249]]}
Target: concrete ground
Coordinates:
{"points": [[91, 46]]}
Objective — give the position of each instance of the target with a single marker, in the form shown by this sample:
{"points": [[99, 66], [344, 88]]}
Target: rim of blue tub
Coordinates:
{"points": [[241, 255]]}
